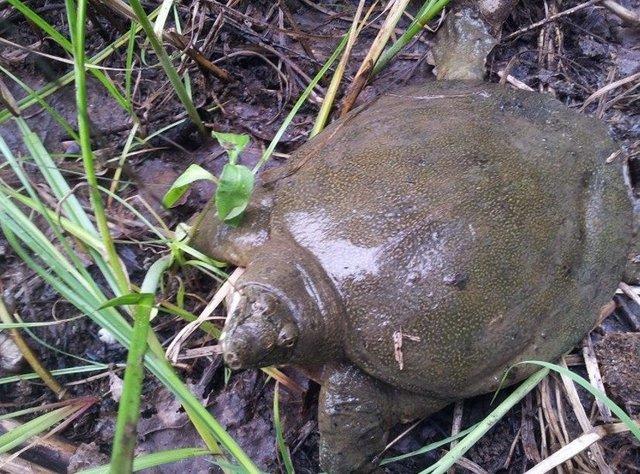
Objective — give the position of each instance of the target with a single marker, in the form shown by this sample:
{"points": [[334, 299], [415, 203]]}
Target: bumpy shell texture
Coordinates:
{"points": [[470, 224]]}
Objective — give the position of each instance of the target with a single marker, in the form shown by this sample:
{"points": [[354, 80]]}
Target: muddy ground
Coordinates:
{"points": [[571, 58]]}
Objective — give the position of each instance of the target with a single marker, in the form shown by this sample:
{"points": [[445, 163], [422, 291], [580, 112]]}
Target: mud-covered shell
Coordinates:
{"points": [[465, 226]]}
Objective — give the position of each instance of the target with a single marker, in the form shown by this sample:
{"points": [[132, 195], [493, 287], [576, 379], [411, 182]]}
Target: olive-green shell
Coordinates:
{"points": [[466, 227]]}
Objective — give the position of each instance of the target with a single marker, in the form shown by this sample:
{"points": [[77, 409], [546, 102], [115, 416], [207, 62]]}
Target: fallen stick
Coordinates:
{"points": [[626, 15], [577, 446], [22, 466], [51, 451], [173, 38]]}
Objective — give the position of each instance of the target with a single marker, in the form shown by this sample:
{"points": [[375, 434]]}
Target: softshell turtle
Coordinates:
{"points": [[417, 248]]}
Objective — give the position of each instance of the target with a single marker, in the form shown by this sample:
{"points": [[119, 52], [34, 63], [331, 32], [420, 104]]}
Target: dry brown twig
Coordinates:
{"points": [[456, 424], [361, 77], [626, 15], [470, 466], [577, 446], [30, 356], [595, 377], [583, 420], [609, 87], [173, 350], [514, 81], [556, 434], [527, 437], [296, 29], [21, 466], [175, 39], [551, 18]]}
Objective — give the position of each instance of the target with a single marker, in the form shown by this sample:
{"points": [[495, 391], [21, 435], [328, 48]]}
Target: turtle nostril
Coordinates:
{"points": [[232, 360]]}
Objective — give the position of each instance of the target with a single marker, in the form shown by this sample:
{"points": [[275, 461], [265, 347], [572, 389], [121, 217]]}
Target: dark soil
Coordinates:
{"points": [[580, 53]]}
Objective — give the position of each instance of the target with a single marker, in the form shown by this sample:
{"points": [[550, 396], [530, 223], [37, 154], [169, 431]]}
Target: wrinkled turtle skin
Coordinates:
{"points": [[416, 249]]}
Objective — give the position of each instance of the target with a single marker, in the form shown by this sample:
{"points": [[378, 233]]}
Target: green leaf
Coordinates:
{"points": [[234, 143], [181, 184], [234, 191], [142, 299], [69, 370]]}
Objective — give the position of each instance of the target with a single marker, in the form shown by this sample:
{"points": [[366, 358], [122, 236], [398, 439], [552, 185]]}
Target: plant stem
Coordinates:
{"points": [[55, 85], [361, 77], [332, 90], [124, 441], [78, 38]]}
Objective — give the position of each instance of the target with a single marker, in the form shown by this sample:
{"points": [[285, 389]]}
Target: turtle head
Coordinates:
{"points": [[284, 310], [261, 328]]}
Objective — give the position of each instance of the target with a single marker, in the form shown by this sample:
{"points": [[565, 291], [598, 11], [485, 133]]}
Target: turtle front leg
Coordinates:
{"points": [[355, 414]]}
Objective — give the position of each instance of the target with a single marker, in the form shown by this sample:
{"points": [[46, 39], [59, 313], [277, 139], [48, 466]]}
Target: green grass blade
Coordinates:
{"points": [[121, 330], [111, 257], [20, 434], [38, 324], [72, 228], [485, 425], [165, 61], [147, 461], [56, 85], [299, 103], [620, 413], [128, 75], [129, 407], [428, 11], [19, 224], [161, 236], [67, 46], [428, 447], [68, 371], [282, 444], [43, 103]]}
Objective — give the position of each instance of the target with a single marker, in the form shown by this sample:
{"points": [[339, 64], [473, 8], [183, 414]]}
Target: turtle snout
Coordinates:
{"points": [[259, 331], [232, 360], [248, 345]]}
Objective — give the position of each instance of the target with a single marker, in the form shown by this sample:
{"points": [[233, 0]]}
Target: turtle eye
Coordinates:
{"points": [[288, 335], [265, 305]]}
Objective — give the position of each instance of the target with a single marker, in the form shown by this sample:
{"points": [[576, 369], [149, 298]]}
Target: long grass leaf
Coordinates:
{"points": [[428, 447], [84, 130], [43, 103], [299, 103], [485, 425], [20, 434], [428, 11], [277, 423], [147, 461], [111, 320], [32, 16], [68, 371], [620, 413], [62, 81]]}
